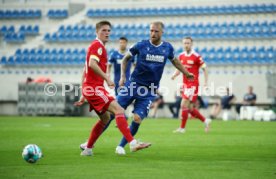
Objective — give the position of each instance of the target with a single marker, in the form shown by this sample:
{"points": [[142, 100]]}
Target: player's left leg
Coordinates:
{"points": [[194, 112], [95, 133], [134, 126], [185, 105]]}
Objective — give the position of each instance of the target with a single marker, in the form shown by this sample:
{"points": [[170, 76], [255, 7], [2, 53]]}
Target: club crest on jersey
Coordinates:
{"points": [[190, 62], [100, 51]]}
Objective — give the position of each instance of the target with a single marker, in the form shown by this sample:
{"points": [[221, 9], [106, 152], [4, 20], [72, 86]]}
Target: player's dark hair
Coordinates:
{"points": [[29, 80], [123, 38], [158, 23], [190, 38], [102, 23]]}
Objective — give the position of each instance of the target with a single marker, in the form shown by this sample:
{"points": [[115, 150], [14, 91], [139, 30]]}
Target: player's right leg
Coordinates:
{"points": [[95, 134], [121, 121], [185, 104]]}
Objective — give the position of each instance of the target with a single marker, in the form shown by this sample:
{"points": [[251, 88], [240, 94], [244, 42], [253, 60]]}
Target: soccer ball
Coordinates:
{"points": [[31, 153]]}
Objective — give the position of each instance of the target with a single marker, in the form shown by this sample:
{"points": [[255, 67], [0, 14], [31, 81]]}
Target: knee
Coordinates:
{"points": [[119, 110], [137, 119], [184, 106]]}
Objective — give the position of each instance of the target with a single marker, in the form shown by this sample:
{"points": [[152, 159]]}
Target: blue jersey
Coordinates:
{"points": [[116, 60], [150, 63]]}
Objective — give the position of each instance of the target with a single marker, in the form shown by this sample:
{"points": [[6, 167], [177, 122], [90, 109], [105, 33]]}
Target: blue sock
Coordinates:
{"points": [[111, 119], [133, 130]]}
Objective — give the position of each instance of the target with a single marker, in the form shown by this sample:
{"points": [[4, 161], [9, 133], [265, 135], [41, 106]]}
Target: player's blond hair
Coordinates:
{"points": [[159, 23]]}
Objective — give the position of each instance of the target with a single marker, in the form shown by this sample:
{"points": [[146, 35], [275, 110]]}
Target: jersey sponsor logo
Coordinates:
{"points": [[155, 58], [100, 51], [190, 62]]}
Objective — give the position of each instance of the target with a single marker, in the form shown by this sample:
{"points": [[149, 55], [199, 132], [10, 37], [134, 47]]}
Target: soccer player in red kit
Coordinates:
{"points": [[94, 92], [192, 62]]}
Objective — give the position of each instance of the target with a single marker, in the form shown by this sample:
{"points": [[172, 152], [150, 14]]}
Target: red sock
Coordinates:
{"points": [[95, 133], [123, 127], [197, 114], [184, 118]]}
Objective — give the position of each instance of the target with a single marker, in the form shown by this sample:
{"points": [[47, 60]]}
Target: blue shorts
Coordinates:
{"points": [[141, 95]]}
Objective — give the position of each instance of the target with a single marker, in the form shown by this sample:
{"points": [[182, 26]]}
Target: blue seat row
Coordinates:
{"points": [[54, 51], [176, 11], [14, 37], [27, 30], [57, 14], [20, 14], [172, 31], [238, 55], [213, 56]]}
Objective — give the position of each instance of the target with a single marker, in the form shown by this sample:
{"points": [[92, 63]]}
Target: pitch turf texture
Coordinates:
{"points": [[233, 149]]}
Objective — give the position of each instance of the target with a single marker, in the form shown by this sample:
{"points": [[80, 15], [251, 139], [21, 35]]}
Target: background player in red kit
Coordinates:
{"points": [[192, 62], [93, 91]]}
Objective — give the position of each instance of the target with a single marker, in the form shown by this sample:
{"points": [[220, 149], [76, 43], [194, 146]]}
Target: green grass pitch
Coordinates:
{"points": [[233, 149]]}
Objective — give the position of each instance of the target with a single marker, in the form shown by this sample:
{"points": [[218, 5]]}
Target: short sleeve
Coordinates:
{"points": [[95, 52], [200, 60], [111, 59], [171, 55], [134, 50]]}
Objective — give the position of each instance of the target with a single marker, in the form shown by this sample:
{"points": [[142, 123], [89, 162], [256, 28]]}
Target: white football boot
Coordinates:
{"points": [[135, 145], [179, 130], [120, 150], [83, 145], [87, 152]]}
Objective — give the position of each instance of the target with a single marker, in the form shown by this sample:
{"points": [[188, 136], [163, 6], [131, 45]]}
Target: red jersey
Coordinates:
{"points": [[192, 63], [96, 51]]}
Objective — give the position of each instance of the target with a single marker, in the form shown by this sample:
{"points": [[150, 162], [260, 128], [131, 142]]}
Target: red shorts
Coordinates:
{"points": [[190, 92], [97, 97]]}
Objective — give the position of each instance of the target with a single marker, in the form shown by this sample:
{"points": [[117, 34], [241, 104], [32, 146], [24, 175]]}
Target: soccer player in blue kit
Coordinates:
{"points": [[115, 61], [144, 81], [141, 88]]}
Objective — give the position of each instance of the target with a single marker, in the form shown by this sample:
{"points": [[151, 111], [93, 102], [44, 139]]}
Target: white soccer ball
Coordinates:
{"points": [[31, 153]]}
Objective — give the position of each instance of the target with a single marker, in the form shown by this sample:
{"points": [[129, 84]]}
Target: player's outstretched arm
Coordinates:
{"points": [[108, 71], [125, 60], [175, 74], [82, 99], [93, 64], [205, 72], [181, 68]]}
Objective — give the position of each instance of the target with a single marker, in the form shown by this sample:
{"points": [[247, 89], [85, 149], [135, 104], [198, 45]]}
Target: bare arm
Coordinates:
{"points": [[93, 64], [175, 74], [108, 71], [181, 68], [82, 99], [125, 60], [205, 72]]}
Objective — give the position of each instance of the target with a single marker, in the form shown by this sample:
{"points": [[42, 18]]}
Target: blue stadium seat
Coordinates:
{"points": [[22, 29], [3, 60], [47, 37], [3, 30]]}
